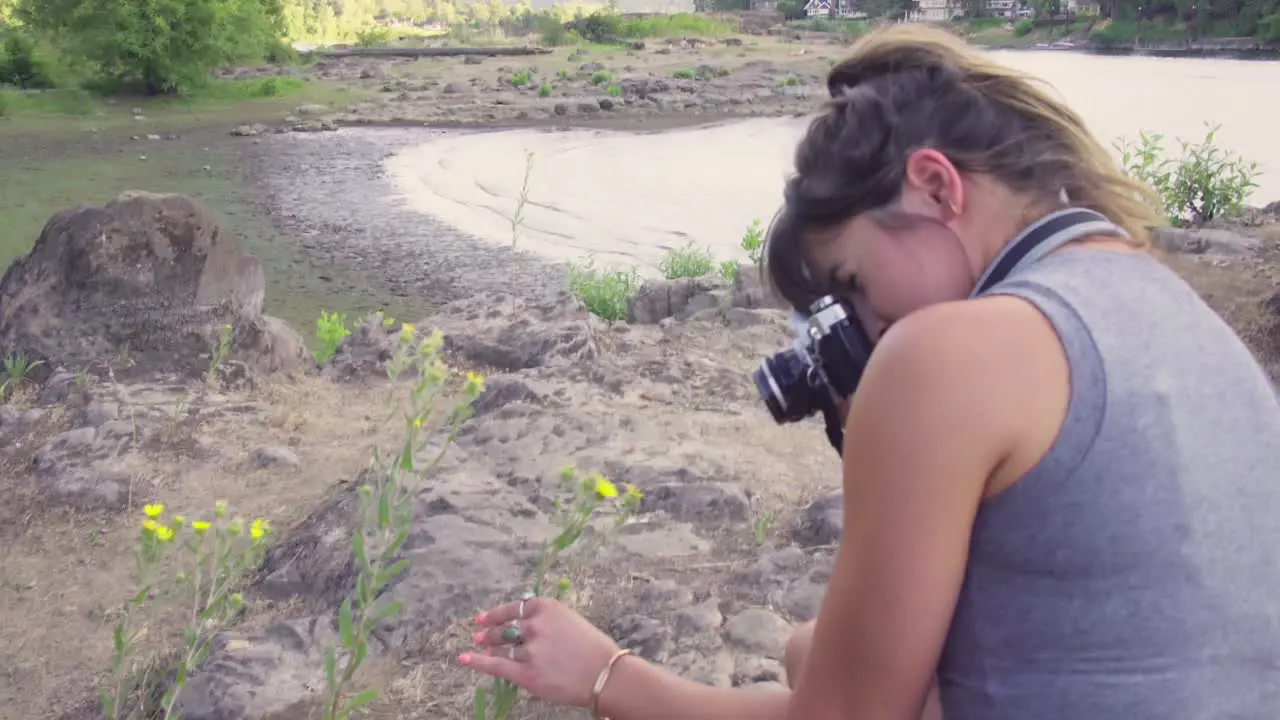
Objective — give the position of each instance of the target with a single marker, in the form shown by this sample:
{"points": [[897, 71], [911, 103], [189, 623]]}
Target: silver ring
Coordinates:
{"points": [[511, 652], [512, 634], [524, 599]]}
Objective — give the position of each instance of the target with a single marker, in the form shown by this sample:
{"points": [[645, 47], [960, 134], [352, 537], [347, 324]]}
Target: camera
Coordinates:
{"points": [[823, 367]]}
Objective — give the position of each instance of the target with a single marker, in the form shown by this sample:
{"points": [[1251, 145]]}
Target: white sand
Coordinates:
{"points": [[624, 198]]}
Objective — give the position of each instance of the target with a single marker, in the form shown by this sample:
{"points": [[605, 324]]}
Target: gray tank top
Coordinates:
{"points": [[1134, 573]]}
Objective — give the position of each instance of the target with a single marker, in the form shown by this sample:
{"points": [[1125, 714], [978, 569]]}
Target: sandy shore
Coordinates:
{"points": [[623, 198]]}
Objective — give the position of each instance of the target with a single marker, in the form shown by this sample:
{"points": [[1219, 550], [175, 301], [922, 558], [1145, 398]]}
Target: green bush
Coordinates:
{"points": [[25, 61], [603, 292], [1023, 27], [1203, 183], [687, 262], [375, 36]]}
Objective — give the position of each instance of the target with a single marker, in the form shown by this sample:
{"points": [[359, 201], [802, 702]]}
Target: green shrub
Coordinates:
{"points": [[684, 74], [1204, 182], [544, 90], [600, 78], [375, 36], [1023, 27], [331, 328], [519, 79], [603, 292], [753, 242], [686, 262], [613, 91], [26, 62]]}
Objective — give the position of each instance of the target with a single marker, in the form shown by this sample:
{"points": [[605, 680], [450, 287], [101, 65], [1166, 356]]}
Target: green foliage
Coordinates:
{"points": [[161, 46], [385, 517], [331, 328], [15, 368], [600, 78], [686, 262], [519, 79], [675, 25], [753, 242], [729, 270], [613, 91], [603, 292], [374, 36], [792, 9], [25, 61], [787, 81], [684, 74], [544, 90], [1204, 182], [1023, 27]]}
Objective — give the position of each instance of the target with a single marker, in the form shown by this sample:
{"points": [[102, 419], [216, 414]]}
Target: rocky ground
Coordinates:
{"points": [[730, 549], [668, 81]]}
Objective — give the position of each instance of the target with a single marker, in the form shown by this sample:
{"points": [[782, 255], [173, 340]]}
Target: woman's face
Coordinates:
{"points": [[924, 249]]}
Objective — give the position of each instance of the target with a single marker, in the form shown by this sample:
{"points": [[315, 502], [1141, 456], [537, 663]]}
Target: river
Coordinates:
{"points": [[624, 198]]}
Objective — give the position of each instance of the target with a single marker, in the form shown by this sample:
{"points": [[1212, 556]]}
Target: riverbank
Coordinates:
{"points": [[730, 548]]}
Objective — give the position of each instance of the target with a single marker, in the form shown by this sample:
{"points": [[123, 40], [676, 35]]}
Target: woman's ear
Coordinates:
{"points": [[931, 176]]}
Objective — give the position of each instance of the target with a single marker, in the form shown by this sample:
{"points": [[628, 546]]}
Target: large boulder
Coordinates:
{"points": [[145, 283]]}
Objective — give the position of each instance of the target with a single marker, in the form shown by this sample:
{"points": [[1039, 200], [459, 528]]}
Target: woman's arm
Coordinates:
{"points": [[944, 402]]}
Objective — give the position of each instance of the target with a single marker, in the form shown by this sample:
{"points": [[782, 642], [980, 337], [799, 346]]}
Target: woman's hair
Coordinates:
{"points": [[908, 87]]}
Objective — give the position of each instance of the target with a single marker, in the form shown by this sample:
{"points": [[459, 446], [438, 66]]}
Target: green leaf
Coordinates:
{"points": [[384, 511], [345, 627], [330, 669], [357, 549], [392, 572], [363, 593], [389, 610], [479, 709], [360, 699]]}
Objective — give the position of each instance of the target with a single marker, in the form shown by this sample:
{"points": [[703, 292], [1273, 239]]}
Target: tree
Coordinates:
{"points": [[161, 46]]}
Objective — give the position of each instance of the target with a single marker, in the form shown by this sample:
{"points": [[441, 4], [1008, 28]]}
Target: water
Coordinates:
{"points": [[625, 198]]}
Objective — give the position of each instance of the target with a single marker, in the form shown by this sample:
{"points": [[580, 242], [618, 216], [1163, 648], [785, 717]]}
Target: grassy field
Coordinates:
{"points": [[63, 148]]}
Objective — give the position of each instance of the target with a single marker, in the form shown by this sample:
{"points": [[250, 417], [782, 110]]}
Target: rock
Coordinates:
{"points": [[253, 130], [715, 503], [753, 670], [67, 472], [701, 618], [487, 333], [100, 412], [472, 60], [1205, 241], [759, 631], [10, 418], [659, 299], [311, 110], [365, 353], [274, 456], [451, 88], [822, 522], [153, 273], [646, 636]]}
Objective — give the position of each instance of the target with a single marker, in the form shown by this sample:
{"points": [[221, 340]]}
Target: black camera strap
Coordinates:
{"points": [[1035, 241], [1043, 237]]}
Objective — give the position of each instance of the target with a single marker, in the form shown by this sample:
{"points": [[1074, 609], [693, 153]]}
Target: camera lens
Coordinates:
{"points": [[782, 382]]}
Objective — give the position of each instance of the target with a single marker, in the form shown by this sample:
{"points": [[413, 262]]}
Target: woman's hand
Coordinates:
{"points": [[557, 654]]}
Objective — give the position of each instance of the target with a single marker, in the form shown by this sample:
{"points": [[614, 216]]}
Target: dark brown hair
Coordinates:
{"points": [[909, 86]]}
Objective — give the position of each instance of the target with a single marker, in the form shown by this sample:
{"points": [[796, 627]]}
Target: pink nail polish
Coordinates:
{"points": [[477, 638], [479, 618], [464, 659]]}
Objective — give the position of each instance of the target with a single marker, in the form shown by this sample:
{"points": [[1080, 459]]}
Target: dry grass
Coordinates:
{"points": [[65, 572]]}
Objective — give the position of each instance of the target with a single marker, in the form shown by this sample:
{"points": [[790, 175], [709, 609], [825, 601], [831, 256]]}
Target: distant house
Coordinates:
{"points": [[831, 8], [818, 8], [764, 5], [936, 11]]}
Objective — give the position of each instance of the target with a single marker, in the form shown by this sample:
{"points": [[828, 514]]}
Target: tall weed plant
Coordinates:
{"points": [[435, 405]]}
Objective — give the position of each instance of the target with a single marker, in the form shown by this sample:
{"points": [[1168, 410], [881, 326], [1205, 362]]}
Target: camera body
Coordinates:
{"points": [[823, 367]]}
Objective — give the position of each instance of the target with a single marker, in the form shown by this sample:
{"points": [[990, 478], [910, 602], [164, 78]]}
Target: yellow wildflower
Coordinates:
{"points": [[149, 527], [178, 521], [164, 534], [634, 492], [406, 333], [417, 423], [153, 511], [200, 526], [220, 509], [258, 528], [475, 383], [227, 328], [604, 488], [237, 599]]}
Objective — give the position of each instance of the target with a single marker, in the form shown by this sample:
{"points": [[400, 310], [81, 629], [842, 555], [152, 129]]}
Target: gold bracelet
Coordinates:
{"points": [[601, 679]]}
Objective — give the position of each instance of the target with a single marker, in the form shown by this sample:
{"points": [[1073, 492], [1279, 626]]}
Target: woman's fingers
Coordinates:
{"points": [[501, 635], [503, 614], [496, 665]]}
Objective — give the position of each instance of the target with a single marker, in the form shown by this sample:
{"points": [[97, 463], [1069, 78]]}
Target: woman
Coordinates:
{"points": [[1060, 495]]}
